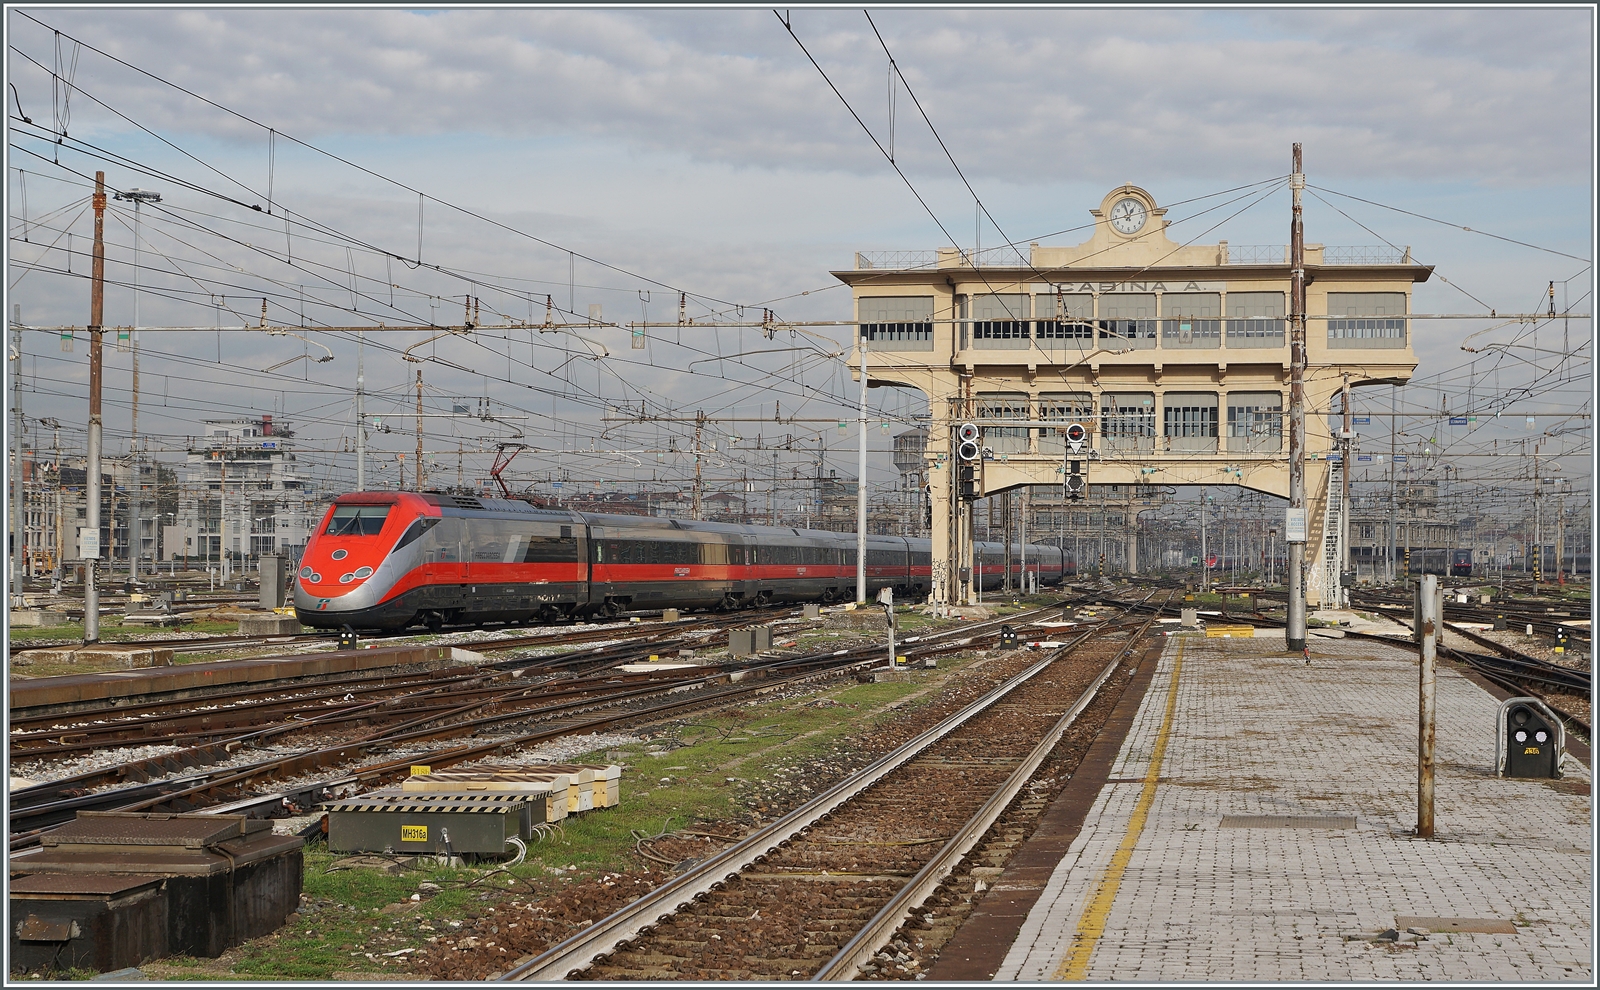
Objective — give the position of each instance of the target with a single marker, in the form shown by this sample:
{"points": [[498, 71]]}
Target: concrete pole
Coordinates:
{"points": [[1389, 509], [1294, 634], [1561, 539], [19, 512], [861, 488], [1205, 559], [97, 310], [1348, 443], [361, 412], [416, 468], [1425, 707]]}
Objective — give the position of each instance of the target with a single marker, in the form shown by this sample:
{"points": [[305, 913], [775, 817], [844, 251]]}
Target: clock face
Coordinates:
{"points": [[1128, 215]]}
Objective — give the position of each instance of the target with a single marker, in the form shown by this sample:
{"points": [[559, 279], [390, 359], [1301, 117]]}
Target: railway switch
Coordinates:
{"points": [[1531, 743]]}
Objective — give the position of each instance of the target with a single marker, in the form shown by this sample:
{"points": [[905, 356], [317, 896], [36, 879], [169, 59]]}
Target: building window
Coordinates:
{"points": [[1000, 320], [1255, 319], [1127, 319], [1189, 420], [1255, 421], [1369, 319], [1065, 317], [1004, 405], [897, 323], [1127, 421]]}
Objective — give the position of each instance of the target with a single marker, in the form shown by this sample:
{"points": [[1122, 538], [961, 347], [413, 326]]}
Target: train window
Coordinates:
{"points": [[357, 520], [713, 553], [550, 549]]}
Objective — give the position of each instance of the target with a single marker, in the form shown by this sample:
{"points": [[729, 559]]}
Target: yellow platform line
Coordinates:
{"points": [[1075, 965]]}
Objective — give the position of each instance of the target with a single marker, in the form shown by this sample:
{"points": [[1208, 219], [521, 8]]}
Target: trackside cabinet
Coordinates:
{"points": [[1532, 738]]}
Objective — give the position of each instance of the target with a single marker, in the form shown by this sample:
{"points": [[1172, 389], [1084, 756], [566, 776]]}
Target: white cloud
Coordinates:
{"points": [[1021, 95]]}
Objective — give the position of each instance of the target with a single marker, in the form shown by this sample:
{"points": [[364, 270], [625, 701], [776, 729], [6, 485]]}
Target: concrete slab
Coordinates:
{"points": [[269, 624], [1154, 888], [104, 655]]}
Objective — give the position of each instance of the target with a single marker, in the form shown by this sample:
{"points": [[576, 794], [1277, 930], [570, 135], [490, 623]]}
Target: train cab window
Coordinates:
{"points": [[357, 520]]}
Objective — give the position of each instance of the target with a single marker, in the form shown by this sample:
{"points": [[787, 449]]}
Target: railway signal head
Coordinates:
{"points": [[1075, 486], [968, 450], [968, 433], [1076, 434], [967, 482]]}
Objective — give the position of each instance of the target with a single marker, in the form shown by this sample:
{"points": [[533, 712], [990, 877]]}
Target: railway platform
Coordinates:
{"points": [[1255, 823]]}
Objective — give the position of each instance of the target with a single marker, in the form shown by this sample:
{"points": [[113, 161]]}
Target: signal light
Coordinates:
{"points": [[968, 451], [968, 433], [1076, 434], [967, 482]]}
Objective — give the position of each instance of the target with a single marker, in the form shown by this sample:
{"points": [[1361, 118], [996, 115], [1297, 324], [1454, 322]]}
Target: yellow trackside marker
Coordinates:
{"points": [[1075, 965]]}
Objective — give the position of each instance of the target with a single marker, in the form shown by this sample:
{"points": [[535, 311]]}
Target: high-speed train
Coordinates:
{"points": [[389, 560]]}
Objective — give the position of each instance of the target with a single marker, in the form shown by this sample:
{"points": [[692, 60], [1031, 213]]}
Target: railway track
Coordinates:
{"points": [[180, 781], [821, 890]]}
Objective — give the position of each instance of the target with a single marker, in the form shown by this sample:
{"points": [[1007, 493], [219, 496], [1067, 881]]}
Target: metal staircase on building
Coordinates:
{"points": [[1331, 562]]}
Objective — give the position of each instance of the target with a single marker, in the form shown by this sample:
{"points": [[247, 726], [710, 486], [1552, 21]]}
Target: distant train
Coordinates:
{"points": [[389, 560]]}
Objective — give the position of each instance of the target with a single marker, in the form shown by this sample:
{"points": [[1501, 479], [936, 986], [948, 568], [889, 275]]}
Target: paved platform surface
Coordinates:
{"points": [[1155, 887]]}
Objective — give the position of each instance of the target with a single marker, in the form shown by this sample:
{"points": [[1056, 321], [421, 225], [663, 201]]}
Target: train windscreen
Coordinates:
{"points": [[357, 520]]}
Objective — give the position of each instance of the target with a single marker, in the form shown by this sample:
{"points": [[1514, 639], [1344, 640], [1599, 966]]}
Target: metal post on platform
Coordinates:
{"points": [[1425, 706], [1294, 634]]}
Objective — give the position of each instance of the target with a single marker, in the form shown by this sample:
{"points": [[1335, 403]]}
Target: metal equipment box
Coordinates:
{"points": [[478, 824], [96, 921], [227, 878]]}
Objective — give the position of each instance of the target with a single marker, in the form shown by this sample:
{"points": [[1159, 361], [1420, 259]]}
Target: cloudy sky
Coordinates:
{"points": [[617, 158]]}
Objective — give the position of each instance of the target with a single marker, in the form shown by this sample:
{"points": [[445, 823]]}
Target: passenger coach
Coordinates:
{"points": [[388, 560]]}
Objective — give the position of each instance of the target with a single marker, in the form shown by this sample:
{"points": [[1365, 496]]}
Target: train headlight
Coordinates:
{"points": [[339, 554], [305, 572], [346, 578], [316, 578], [363, 572]]}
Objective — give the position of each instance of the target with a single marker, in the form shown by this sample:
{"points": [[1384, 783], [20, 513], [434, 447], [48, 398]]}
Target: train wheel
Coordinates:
{"points": [[611, 609], [434, 621]]}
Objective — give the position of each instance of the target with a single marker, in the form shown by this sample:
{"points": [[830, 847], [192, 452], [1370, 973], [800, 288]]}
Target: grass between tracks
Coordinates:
{"points": [[717, 772]]}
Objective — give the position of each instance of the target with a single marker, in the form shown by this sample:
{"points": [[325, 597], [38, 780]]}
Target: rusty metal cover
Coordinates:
{"points": [[80, 884], [36, 929], [1288, 821], [186, 831]]}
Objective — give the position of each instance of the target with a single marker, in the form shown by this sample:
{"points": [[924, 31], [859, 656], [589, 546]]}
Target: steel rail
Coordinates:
{"points": [[878, 931], [147, 796], [634, 919]]}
